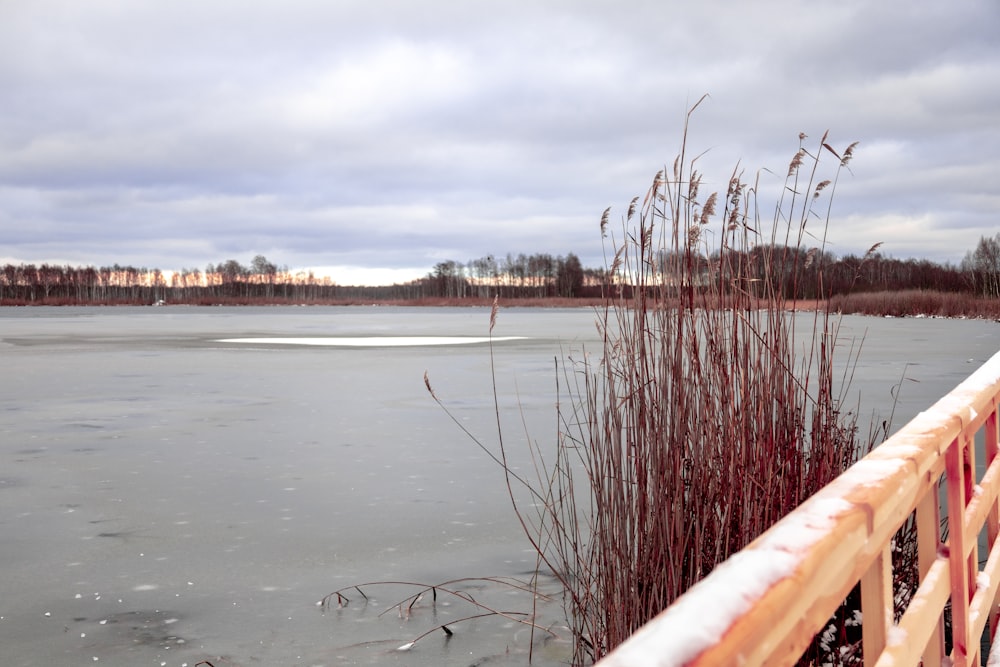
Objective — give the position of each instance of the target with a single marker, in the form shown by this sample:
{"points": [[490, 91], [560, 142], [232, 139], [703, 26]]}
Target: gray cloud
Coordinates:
{"points": [[397, 134]]}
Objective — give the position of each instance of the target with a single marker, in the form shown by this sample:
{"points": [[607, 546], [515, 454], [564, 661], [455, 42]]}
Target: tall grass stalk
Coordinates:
{"points": [[712, 409]]}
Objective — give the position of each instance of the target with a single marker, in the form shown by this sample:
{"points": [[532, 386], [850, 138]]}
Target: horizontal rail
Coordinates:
{"points": [[766, 603]]}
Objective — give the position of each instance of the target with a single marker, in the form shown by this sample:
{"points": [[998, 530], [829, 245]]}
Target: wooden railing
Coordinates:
{"points": [[765, 604]]}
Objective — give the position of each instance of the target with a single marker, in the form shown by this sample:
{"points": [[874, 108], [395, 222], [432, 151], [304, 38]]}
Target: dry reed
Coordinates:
{"points": [[713, 408]]}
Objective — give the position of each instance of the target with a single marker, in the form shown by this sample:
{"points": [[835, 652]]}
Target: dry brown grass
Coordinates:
{"points": [[913, 303]]}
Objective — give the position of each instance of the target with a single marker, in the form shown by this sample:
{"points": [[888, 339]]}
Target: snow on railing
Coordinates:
{"points": [[765, 604]]}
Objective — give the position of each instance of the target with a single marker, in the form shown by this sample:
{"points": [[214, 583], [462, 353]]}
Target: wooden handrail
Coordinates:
{"points": [[764, 605]]}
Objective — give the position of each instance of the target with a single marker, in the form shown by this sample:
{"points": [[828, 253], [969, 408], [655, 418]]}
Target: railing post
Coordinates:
{"points": [[928, 517], [972, 544], [876, 605], [958, 563], [993, 518]]}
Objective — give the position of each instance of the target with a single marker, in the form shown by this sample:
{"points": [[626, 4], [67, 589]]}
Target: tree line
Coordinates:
{"points": [[982, 265], [515, 276], [262, 281], [795, 272]]}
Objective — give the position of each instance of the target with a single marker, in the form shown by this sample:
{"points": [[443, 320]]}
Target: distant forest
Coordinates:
{"points": [[800, 274]]}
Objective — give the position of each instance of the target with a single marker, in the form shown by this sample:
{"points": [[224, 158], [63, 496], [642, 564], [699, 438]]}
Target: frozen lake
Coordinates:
{"points": [[167, 497]]}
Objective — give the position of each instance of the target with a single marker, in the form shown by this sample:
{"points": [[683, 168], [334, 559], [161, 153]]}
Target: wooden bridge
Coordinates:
{"points": [[766, 603]]}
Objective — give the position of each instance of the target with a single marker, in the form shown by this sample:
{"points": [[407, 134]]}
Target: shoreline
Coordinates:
{"points": [[913, 303]]}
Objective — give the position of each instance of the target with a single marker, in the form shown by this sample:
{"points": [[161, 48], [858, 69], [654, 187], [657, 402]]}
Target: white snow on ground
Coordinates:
{"points": [[671, 639], [697, 620]]}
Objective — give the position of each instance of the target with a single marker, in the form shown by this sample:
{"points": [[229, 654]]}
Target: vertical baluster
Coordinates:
{"points": [[972, 561], [928, 543], [993, 518], [956, 491], [876, 605]]}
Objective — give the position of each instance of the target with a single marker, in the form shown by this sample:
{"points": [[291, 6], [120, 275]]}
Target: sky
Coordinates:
{"points": [[371, 140]]}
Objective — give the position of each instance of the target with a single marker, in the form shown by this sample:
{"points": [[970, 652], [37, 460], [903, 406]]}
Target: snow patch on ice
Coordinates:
{"points": [[372, 341]]}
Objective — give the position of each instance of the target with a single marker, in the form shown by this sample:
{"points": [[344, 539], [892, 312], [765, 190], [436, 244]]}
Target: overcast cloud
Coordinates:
{"points": [[373, 139]]}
